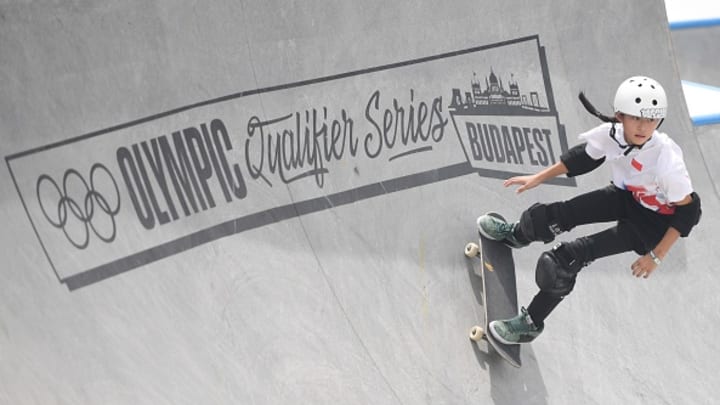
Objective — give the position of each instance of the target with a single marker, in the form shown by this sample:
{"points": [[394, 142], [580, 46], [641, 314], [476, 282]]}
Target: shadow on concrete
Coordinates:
{"points": [[508, 385]]}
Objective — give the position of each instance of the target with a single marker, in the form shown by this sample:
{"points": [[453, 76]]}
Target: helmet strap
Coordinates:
{"points": [[628, 147]]}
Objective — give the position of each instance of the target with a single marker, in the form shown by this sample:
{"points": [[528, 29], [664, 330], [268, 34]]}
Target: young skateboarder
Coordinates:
{"points": [[651, 198]]}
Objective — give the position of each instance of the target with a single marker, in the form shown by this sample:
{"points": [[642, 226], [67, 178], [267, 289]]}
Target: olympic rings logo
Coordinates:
{"points": [[83, 202]]}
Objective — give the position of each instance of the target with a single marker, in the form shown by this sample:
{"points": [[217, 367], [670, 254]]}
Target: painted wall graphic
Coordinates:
{"points": [[113, 200], [505, 116]]}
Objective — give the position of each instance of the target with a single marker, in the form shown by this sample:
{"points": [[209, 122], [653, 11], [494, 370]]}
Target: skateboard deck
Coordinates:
{"points": [[499, 291]]}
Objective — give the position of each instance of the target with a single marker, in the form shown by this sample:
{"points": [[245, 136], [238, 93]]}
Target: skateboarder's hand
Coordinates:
{"points": [[533, 180], [643, 267], [526, 182]]}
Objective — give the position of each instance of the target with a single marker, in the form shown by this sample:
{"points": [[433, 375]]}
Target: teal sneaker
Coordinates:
{"points": [[519, 329], [492, 227]]}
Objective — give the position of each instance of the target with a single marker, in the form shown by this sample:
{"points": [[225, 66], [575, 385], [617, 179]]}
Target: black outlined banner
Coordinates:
{"points": [[110, 201]]}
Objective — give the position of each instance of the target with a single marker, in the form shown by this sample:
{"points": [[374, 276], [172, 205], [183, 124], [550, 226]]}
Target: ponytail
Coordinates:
{"points": [[592, 110]]}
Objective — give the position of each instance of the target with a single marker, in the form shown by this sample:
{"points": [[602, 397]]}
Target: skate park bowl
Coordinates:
{"points": [[268, 202]]}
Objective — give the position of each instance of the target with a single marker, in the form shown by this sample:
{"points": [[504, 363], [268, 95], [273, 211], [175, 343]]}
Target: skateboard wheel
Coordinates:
{"points": [[471, 249], [476, 333]]}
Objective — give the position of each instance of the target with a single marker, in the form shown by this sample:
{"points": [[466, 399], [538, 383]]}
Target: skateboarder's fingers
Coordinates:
{"points": [[643, 268], [637, 269], [512, 181], [646, 273], [525, 182]]}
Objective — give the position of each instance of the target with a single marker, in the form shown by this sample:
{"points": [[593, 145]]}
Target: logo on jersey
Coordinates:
{"points": [[637, 165], [654, 202]]}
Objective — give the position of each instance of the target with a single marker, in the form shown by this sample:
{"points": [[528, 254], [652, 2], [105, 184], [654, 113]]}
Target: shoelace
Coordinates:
{"points": [[517, 326], [504, 227]]}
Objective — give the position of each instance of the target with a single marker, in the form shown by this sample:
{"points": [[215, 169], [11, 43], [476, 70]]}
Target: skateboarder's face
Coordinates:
{"points": [[637, 130]]}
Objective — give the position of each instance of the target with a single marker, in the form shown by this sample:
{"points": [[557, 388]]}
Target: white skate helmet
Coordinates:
{"points": [[641, 96]]}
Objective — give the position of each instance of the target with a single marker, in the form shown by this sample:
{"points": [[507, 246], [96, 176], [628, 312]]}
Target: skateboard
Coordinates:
{"points": [[499, 291]]}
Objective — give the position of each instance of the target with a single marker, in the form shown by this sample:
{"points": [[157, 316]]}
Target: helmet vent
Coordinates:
{"points": [[654, 102], [638, 100]]}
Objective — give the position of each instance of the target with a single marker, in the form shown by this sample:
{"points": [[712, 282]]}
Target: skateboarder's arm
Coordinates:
{"points": [[688, 214], [662, 248], [645, 265], [578, 161], [533, 180]]}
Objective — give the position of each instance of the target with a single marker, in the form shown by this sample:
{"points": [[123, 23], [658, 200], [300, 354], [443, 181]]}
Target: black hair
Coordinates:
{"points": [[592, 110]]}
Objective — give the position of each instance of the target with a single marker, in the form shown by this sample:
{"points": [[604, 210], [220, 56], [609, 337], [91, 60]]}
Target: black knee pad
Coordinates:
{"points": [[537, 224], [556, 272]]}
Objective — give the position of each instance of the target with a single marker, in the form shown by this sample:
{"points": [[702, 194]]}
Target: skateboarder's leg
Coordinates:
{"points": [[556, 283], [542, 222], [555, 275], [541, 306], [557, 269]]}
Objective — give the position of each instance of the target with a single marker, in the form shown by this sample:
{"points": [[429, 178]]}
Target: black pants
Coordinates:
{"points": [[637, 229]]}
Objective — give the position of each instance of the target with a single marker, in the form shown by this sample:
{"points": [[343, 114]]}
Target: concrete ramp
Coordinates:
{"points": [[268, 203]]}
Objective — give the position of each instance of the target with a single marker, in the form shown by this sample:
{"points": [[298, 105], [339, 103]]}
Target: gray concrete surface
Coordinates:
{"points": [[335, 274]]}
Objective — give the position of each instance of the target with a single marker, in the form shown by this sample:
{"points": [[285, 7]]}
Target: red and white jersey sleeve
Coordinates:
{"points": [[656, 173]]}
